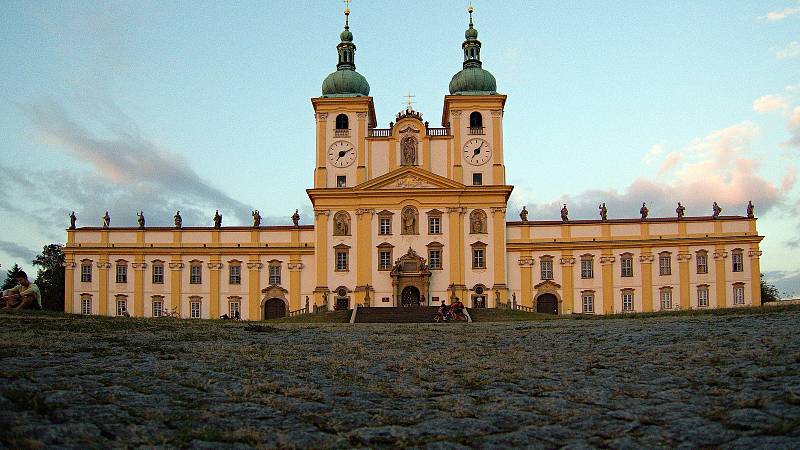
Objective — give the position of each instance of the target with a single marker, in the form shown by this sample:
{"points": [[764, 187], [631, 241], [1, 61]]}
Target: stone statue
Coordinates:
{"points": [[564, 213], [72, 220], [716, 210], [644, 211], [217, 219], [603, 212], [325, 298], [140, 219], [409, 221], [106, 220], [409, 151], [750, 210], [523, 214], [514, 300], [476, 222], [341, 223], [496, 297], [307, 305], [680, 210], [178, 220], [296, 218], [256, 218]]}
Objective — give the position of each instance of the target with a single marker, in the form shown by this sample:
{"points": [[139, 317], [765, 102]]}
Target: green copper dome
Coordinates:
{"points": [[345, 82], [472, 79]]}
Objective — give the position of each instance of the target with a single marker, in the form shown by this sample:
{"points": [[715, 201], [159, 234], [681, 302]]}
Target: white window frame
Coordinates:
{"points": [[479, 258], [702, 296], [122, 305], [158, 307], [196, 274], [86, 305], [738, 295], [384, 259], [158, 274], [195, 309], [546, 269], [435, 258], [665, 264], [234, 307], [86, 272], [385, 226], [342, 260], [737, 260], [587, 303], [587, 268], [234, 274], [122, 273], [435, 225], [627, 301], [275, 273], [665, 295], [626, 267], [702, 263]]}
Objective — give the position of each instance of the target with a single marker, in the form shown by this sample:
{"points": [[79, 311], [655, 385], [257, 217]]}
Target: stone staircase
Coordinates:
{"points": [[410, 314]]}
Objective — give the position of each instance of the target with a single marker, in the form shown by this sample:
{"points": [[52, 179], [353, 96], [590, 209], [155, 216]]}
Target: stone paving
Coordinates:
{"points": [[689, 382]]}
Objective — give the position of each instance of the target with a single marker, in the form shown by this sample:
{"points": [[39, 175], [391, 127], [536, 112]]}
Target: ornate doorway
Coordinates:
{"points": [[410, 296], [274, 308], [547, 304]]}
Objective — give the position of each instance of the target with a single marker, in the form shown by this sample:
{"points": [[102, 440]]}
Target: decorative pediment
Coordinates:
{"points": [[410, 263], [409, 177], [547, 286]]}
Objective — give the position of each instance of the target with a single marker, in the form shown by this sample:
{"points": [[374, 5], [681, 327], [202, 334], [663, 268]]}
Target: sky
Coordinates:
{"points": [[205, 105]]}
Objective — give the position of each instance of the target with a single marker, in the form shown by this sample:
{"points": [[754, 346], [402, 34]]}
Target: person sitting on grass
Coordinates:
{"points": [[444, 311], [24, 295], [458, 309]]}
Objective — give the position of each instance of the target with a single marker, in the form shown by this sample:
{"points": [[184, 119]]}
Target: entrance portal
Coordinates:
{"points": [[547, 304], [274, 308], [410, 296]]}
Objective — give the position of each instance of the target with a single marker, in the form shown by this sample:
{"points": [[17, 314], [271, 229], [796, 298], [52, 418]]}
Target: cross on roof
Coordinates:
{"points": [[409, 103], [347, 5]]}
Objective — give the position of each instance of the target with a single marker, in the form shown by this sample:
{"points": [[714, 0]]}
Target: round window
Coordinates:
{"points": [[479, 290], [341, 292]]}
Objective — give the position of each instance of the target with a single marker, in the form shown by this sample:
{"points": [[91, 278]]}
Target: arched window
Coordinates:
{"points": [[475, 120], [342, 123]]}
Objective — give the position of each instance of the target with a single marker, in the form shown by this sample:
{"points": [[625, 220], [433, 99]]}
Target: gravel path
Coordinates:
{"points": [[705, 381]]}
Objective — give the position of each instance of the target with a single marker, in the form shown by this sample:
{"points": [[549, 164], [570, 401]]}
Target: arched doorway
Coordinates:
{"points": [[547, 304], [274, 308], [410, 296]]}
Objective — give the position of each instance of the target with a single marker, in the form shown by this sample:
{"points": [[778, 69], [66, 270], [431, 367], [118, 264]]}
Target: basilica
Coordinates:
{"points": [[413, 214]]}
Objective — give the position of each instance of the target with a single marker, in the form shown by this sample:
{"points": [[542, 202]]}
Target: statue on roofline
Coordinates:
{"points": [[715, 210], [178, 220], [72, 220], [644, 211], [680, 210], [564, 213], [296, 218], [603, 212], [140, 219], [256, 218], [106, 220], [523, 214], [217, 219], [750, 210]]}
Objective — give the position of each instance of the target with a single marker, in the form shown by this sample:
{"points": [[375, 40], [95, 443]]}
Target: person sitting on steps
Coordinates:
{"points": [[24, 295], [458, 309], [444, 312]]}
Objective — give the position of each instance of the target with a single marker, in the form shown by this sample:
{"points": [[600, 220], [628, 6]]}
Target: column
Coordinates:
{"points": [[295, 266], [498, 170], [755, 274], [499, 244], [139, 267], [455, 128], [720, 255], [646, 266], [254, 267], [607, 267], [526, 263], [683, 271], [214, 268], [321, 174], [567, 268], [102, 278], [361, 132], [69, 284], [455, 225], [321, 253], [364, 259]]}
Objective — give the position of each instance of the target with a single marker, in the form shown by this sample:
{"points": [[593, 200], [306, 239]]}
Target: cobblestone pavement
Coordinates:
{"points": [[704, 381]]}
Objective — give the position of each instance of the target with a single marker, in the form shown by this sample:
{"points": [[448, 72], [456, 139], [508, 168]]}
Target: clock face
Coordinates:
{"points": [[341, 153], [477, 151]]}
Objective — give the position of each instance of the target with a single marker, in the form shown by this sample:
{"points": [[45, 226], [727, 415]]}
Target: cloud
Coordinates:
{"points": [[715, 167], [794, 127], [775, 16], [769, 103], [15, 250], [655, 151], [787, 282], [128, 172], [790, 51]]}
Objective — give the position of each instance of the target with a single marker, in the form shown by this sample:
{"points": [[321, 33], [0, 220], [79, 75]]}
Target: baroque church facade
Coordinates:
{"points": [[413, 214]]}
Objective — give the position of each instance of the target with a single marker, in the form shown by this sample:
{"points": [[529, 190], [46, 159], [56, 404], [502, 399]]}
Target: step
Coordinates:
{"points": [[412, 314]]}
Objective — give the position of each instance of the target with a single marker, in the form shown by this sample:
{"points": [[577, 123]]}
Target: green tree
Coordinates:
{"points": [[11, 278], [769, 293], [50, 278]]}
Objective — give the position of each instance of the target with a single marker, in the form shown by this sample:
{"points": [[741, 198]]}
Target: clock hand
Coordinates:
{"points": [[476, 151], [343, 152]]}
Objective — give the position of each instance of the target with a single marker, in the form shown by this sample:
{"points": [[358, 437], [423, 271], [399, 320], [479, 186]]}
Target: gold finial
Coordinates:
{"points": [[347, 7], [470, 8], [408, 101]]}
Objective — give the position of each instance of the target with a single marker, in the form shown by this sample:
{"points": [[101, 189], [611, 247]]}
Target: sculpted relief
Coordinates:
{"points": [[408, 151], [341, 224], [410, 220], [477, 221]]}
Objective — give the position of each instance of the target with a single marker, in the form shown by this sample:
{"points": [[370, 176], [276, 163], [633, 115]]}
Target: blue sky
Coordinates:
{"points": [[194, 105]]}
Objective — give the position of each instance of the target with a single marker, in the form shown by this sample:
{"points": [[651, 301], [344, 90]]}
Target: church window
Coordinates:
{"points": [[196, 273], [627, 300], [738, 260], [475, 120], [738, 294], [342, 258], [587, 300], [158, 306], [194, 307], [477, 222], [235, 308], [385, 226], [341, 181], [122, 305], [384, 260], [158, 272], [434, 225], [342, 123], [435, 259], [666, 298], [478, 257], [546, 268], [665, 263], [587, 266], [274, 272], [702, 295], [341, 224], [122, 272], [86, 304], [702, 261], [477, 179], [234, 273], [626, 263], [86, 271]]}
